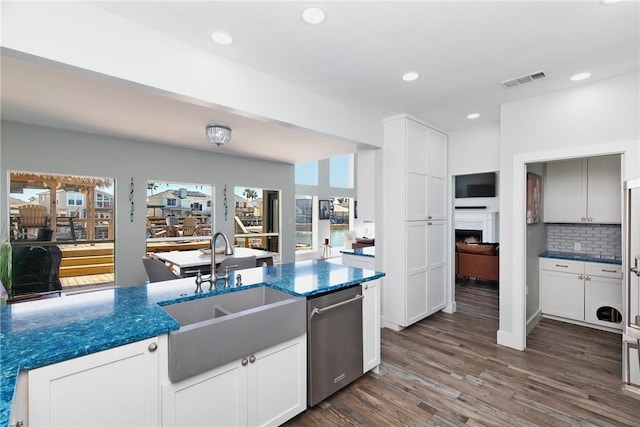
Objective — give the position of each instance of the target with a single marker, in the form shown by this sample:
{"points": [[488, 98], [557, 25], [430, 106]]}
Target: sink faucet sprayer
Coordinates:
{"points": [[214, 277]]}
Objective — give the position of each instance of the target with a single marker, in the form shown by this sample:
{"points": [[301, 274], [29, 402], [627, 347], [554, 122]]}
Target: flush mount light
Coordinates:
{"points": [[410, 76], [580, 76], [219, 134], [221, 37], [313, 15], [473, 116]]}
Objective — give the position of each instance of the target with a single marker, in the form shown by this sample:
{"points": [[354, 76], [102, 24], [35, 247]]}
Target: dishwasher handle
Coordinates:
{"points": [[331, 307]]}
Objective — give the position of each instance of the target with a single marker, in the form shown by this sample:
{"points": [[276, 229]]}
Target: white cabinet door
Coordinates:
{"points": [[371, 325], [20, 407], [604, 190], [115, 387], [214, 398], [417, 270], [562, 294], [437, 175], [265, 388], [417, 180], [278, 383], [601, 294], [436, 282], [565, 191]]}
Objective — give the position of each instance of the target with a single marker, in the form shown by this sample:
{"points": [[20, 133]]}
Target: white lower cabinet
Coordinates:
{"points": [[359, 261], [584, 291], [115, 387], [265, 388], [371, 325]]}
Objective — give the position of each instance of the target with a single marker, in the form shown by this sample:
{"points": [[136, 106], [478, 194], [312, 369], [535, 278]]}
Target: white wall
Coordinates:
{"points": [[596, 118], [40, 149], [475, 149]]}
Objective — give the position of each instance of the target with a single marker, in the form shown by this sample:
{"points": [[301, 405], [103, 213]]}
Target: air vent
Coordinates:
{"points": [[523, 79]]}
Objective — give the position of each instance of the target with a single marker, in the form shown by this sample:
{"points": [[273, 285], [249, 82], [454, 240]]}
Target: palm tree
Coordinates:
{"points": [[250, 194], [152, 186]]}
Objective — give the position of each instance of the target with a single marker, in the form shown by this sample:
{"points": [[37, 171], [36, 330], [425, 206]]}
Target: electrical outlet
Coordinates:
{"points": [[576, 246]]}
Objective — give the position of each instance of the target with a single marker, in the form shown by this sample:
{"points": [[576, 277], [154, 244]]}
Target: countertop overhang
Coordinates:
{"points": [[575, 256], [39, 333]]}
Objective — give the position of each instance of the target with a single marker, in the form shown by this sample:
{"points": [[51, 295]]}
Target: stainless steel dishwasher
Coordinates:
{"points": [[334, 337]]}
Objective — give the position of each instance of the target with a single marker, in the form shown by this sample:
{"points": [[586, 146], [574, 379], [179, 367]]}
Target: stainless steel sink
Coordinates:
{"points": [[222, 328]]}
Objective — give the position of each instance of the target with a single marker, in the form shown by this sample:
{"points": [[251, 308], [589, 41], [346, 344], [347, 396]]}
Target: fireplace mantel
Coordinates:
{"points": [[485, 221]]}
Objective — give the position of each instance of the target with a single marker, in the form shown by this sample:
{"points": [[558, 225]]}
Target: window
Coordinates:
{"points": [[257, 218], [75, 199], [176, 216], [339, 221], [307, 173], [304, 223], [57, 228], [341, 171]]}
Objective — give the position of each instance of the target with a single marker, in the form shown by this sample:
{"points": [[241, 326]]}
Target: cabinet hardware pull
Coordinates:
{"points": [[587, 278], [580, 277], [153, 347], [609, 271], [244, 361], [252, 358], [323, 309], [563, 266], [366, 286]]}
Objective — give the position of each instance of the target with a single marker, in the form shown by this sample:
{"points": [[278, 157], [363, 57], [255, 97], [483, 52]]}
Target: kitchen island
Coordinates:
{"points": [[40, 333]]}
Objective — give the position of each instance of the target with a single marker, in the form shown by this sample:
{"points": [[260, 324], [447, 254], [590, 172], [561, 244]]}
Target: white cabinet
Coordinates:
{"points": [[371, 325], [562, 288], [583, 191], [115, 387], [359, 261], [413, 249], [20, 408], [584, 291], [265, 388]]}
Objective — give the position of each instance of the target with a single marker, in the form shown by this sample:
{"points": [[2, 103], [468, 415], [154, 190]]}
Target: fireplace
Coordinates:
{"points": [[469, 236], [478, 222]]}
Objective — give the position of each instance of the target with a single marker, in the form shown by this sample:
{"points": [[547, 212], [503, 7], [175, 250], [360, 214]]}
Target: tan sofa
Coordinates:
{"points": [[480, 261]]}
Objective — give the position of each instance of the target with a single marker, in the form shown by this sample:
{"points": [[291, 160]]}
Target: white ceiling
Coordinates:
{"points": [[463, 50]]}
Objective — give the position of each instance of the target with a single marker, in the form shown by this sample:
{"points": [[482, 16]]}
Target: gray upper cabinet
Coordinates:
{"points": [[583, 191]]}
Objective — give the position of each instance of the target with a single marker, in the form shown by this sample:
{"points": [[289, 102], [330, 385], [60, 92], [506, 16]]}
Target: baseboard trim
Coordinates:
{"points": [[451, 308], [507, 339], [533, 321]]}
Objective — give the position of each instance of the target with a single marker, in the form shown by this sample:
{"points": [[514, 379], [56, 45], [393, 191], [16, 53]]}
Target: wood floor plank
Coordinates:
{"points": [[447, 370]]}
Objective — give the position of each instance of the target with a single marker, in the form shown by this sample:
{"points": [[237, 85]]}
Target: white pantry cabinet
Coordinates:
{"points": [[371, 325], [265, 388], [588, 292], [115, 387], [583, 191], [414, 221]]}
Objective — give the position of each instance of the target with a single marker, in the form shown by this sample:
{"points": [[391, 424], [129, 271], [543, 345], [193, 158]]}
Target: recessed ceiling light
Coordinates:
{"points": [[580, 76], [410, 76], [313, 15], [221, 37], [473, 116]]}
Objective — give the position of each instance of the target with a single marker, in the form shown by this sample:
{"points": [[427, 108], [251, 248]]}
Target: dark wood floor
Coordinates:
{"points": [[448, 370]]}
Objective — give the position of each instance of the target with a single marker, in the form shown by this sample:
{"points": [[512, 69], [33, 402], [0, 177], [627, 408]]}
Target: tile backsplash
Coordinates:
{"points": [[595, 239]]}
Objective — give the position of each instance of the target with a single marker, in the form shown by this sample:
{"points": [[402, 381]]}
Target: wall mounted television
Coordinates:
{"points": [[476, 185]]}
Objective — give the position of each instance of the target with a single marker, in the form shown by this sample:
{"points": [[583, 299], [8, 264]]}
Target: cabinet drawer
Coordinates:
{"points": [[603, 270], [562, 265]]}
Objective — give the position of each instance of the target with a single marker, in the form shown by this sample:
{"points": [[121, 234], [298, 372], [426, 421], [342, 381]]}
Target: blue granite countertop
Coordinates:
{"points": [[39, 333], [369, 251], [580, 257]]}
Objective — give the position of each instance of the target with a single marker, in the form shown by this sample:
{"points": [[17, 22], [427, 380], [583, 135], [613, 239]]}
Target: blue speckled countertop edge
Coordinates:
{"points": [[579, 257], [152, 320]]}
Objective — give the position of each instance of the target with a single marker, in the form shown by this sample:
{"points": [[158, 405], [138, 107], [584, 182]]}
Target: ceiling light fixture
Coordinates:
{"points": [[580, 76], [222, 38], [219, 134], [313, 15], [473, 116], [410, 76]]}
